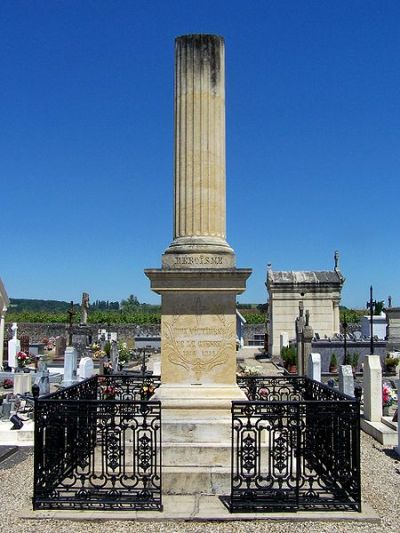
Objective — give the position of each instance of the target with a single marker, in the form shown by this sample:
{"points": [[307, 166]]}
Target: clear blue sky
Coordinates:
{"points": [[86, 141]]}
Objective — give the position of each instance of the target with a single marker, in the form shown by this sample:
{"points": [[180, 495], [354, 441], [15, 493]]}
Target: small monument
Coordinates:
{"points": [[198, 281], [14, 346]]}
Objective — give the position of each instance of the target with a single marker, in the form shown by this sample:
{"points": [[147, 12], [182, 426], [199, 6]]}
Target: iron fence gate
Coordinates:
{"points": [[295, 445], [98, 447]]}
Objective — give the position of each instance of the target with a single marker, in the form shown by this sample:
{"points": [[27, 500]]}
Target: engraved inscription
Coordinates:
{"points": [[203, 260], [199, 348]]}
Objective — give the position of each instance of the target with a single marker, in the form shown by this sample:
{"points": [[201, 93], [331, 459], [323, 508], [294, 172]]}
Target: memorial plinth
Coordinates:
{"points": [[198, 282]]}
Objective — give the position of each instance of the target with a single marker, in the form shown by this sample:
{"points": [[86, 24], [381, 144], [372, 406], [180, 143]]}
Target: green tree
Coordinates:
{"points": [[131, 304]]}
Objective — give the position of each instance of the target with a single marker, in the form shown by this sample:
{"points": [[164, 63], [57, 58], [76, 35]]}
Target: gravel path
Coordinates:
{"points": [[381, 488]]}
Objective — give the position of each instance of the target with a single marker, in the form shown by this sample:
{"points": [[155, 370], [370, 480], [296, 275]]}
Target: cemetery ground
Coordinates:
{"points": [[380, 489]]}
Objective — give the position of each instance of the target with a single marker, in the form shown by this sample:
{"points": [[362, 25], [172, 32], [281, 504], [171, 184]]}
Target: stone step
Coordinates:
{"points": [[379, 431], [194, 454], [200, 430], [196, 480], [387, 420]]}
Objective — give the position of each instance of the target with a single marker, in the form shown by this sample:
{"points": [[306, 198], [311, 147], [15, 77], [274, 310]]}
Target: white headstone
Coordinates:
{"points": [[346, 380], [70, 365], [372, 388], [284, 339], [22, 382], [314, 366], [86, 368]]}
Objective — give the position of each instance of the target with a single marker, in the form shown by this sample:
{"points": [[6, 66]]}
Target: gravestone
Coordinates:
{"points": [[61, 345], [86, 368], [346, 380], [372, 388], [314, 366], [114, 354], [70, 366], [284, 339], [14, 346]]}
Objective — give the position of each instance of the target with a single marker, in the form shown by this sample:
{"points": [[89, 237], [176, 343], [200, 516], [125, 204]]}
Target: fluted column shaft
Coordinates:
{"points": [[200, 197]]}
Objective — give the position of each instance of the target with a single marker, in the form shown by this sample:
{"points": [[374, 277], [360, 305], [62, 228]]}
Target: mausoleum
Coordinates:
{"points": [[320, 293]]}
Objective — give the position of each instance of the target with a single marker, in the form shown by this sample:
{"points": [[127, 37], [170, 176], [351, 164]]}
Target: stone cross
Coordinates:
{"points": [[71, 314]]}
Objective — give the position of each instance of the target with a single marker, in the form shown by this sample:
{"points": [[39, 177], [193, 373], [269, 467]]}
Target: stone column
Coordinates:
{"points": [[200, 197], [307, 337], [198, 283], [2, 324], [336, 317], [372, 388]]}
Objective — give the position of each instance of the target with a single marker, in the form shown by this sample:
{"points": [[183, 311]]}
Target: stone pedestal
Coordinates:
{"points": [[372, 388]]}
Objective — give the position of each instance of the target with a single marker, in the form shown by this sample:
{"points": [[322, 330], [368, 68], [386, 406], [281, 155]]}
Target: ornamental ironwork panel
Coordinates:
{"points": [[298, 449], [97, 453]]}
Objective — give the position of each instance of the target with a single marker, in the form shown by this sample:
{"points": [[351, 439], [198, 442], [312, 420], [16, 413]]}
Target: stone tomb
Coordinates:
{"points": [[198, 283]]}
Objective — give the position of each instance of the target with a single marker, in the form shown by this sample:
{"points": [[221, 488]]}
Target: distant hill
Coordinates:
{"points": [[24, 304]]}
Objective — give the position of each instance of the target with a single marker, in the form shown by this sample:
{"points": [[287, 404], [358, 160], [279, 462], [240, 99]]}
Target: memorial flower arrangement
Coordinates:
{"points": [[147, 390], [388, 395], [23, 359], [8, 383], [109, 392]]}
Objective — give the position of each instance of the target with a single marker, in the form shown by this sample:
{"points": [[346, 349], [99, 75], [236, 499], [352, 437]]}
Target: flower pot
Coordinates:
{"points": [[385, 410], [292, 369], [333, 369], [391, 370]]}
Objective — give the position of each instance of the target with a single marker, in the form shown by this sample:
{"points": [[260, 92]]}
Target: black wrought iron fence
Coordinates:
{"points": [[295, 445], [98, 446]]}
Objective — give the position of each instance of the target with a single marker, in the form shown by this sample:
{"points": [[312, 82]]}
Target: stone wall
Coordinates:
{"points": [[37, 332]]}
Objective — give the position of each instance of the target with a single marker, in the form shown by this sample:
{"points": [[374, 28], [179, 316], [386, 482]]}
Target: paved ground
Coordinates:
{"points": [[380, 480]]}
